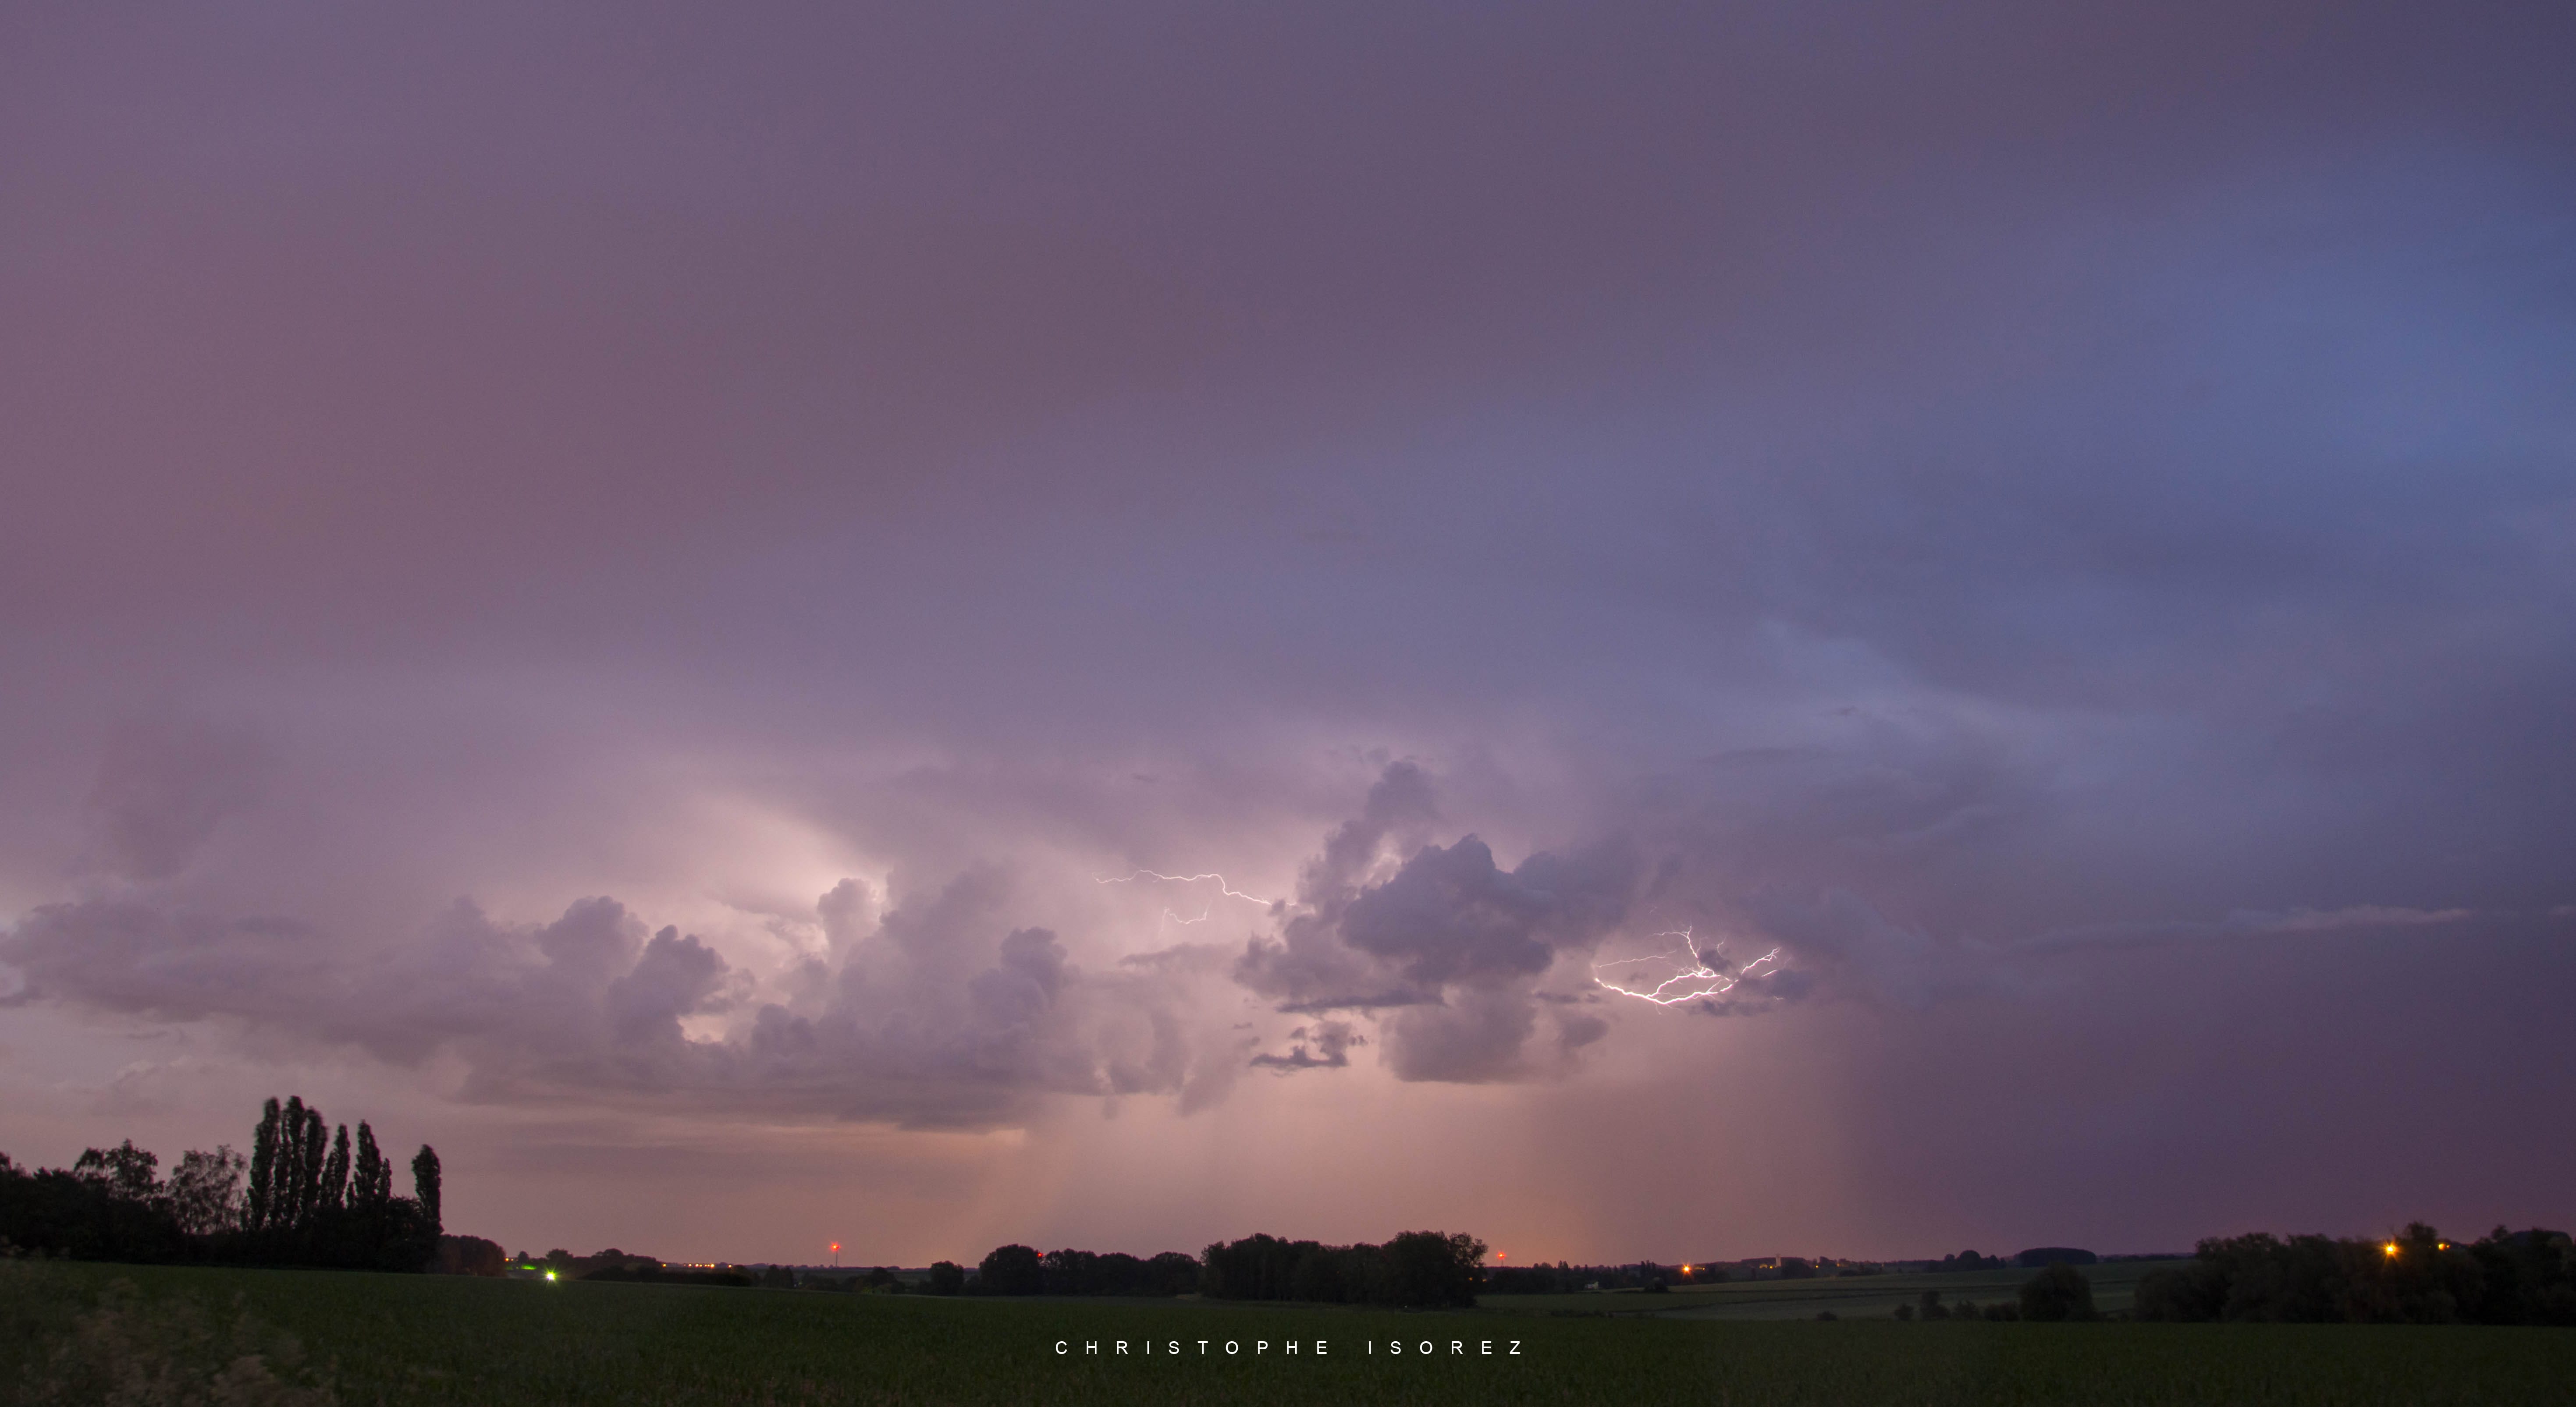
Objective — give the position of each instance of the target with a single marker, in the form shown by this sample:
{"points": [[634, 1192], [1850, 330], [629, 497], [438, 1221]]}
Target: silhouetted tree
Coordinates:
{"points": [[310, 1163], [128, 1173], [1011, 1270], [374, 1176], [947, 1277], [335, 1174], [82, 1215], [2057, 1294], [205, 1191], [424, 1182], [469, 1255], [262, 1199], [1432, 1269], [292, 1206]]}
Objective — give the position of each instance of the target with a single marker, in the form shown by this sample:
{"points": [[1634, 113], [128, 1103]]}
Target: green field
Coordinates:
{"points": [[67, 1331], [1859, 1297]]}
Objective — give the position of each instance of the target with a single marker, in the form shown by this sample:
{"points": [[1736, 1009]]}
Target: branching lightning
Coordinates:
{"points": [[1696, 974], [1224, 890]]}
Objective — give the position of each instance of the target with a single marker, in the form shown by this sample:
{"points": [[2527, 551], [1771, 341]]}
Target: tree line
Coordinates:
{"points": [[1020, 1270], [2416, 1277], [1416, 1268], [312, 1197]]}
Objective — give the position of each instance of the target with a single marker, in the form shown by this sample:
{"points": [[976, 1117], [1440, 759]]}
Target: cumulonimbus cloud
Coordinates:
{"points": [[947, 1008], [1448, 945], [941, 1014]]}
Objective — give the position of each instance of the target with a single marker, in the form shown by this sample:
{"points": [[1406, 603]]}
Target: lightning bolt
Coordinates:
{"points": [[1224, 890], [1698, 978]]}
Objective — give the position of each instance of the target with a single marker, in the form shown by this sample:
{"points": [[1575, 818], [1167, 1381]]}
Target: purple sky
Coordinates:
{"points": [[603, 588]]}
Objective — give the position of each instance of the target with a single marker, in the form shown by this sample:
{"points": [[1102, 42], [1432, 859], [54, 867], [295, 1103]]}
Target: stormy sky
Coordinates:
{"points": [[1113, 625]]}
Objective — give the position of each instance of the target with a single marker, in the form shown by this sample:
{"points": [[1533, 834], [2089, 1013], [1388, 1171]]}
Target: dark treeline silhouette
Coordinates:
{"points": [[1563, 1278], [313, 1199], [1424, 1268], [2511, 1277], [90, 1211], [2032, 1259], [470, 1255], [1416, 1268], [1019, 1270]]}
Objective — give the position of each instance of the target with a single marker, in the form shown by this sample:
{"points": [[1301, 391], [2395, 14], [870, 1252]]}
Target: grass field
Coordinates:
{"points": [[67, 1330], [1860, 1297]]}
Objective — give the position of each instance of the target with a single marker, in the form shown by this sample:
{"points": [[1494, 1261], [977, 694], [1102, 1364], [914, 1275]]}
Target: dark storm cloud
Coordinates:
{"points": [[1450, 945], [1449, 916]]}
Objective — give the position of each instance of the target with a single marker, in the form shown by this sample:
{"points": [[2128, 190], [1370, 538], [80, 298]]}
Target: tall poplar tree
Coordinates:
{"points": [[290, 1209], [374, 1181], [335, 1173], [424, 1184], [316, 1140], [263, 1165]]}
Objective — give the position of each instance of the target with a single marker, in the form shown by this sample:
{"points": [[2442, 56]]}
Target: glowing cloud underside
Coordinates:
{"points": [[1694, 974]]}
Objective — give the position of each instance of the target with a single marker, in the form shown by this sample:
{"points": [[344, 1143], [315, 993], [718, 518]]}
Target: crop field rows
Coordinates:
{"points": [[69, 1332]]}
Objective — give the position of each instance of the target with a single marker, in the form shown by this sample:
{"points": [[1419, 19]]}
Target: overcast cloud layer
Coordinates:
{"points": [[1114, 626]]}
